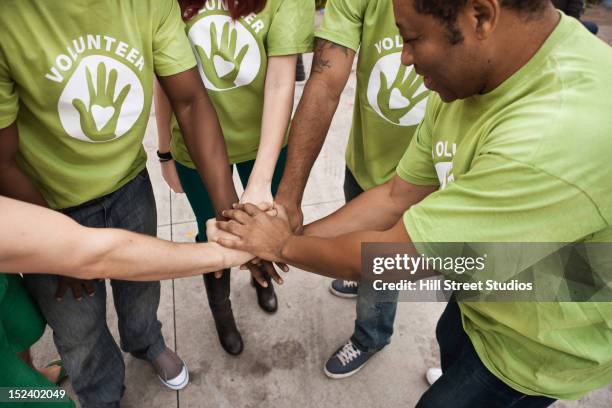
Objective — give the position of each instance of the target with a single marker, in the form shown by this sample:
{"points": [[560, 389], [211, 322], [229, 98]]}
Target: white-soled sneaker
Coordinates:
{"points": [[346, 361], [171, 370], [432, 375], [344, 288]]}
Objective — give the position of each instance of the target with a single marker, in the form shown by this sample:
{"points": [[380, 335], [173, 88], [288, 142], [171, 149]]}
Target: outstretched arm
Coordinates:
{"points": [[278, 105], [202, 133], [271, 238], [37, 240], [331, 68], [377, 209]]}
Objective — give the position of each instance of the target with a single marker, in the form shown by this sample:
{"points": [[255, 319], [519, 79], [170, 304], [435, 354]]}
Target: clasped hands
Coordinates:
{"points": [[260, 232]]}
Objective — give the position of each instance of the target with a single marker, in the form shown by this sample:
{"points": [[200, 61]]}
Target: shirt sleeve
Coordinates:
{"points": [[486, 205], [342, 23], [417, 166], [9, 101], [292, 28], [172, 53]]}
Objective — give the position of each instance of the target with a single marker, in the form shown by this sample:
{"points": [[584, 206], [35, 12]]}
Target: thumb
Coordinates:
{"points": [[79, 105], [265, 206], [281, 211], [201, 53], [384, 86]]}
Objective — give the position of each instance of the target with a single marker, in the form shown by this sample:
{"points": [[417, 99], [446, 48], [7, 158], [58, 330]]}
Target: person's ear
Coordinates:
{"points": [[484, 16]]}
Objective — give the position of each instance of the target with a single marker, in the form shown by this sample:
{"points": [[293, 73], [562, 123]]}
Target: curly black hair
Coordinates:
{"points": [[447, 11]]}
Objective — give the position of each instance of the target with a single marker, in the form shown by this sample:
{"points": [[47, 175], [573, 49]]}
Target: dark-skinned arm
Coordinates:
{"points": [[270, 238], [377, 209], [331, 68], [13, 182], [203, 136], [321, 255]]}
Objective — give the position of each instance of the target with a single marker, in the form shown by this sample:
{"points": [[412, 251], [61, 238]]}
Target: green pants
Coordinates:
{"points": [[21, 325], [198, 196]]}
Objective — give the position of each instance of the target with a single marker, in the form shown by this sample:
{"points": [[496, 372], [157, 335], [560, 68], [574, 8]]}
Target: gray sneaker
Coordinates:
{"points": [[171, 370]]}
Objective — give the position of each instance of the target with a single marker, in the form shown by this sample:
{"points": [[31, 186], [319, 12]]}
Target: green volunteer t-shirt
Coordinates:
{"points": [[77, 78], [233, 60], [390, 98], [527, 162]]}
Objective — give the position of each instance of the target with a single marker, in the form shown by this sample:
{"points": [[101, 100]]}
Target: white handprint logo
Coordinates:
{"points": [[228, 54], [396, 92], [102, 100]]}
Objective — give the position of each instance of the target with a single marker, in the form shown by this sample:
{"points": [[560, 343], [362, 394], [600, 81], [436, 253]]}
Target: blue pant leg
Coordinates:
{"points": [[466, 382], [91, 357], [375, 309], [133, 208]]}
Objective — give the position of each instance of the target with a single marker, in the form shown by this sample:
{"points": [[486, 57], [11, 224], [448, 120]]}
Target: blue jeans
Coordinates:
{"points": [[466, 382], [89, 352], [375, 318]]}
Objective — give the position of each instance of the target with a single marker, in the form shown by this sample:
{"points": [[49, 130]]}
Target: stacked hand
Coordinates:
{"points": [[255, 231], [259, 196], [251, 229]]}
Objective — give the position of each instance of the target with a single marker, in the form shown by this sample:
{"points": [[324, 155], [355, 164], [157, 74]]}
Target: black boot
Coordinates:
{"points": [[266, 298], [218, 291], [300, 74]]}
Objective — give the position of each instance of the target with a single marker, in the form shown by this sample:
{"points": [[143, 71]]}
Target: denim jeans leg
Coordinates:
{"points": [[133, 208], [450, 335], [91, 357], [375, 317], [466, 382]]}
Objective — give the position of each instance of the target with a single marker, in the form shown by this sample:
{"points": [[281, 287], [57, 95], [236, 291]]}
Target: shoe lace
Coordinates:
{"points": [[349, 284], [348, 353]]}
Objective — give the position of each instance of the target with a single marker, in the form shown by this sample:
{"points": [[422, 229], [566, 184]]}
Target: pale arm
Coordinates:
{"points": [[278, 105], [38, 240]]}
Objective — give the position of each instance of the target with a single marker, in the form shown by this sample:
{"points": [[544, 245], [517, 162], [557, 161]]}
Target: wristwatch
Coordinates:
{"points": [[164, 157]]}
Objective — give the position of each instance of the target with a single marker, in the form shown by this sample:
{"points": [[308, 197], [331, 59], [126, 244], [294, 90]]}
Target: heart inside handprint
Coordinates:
{"points": [[397, 100], [222, 66], [102, 115]]}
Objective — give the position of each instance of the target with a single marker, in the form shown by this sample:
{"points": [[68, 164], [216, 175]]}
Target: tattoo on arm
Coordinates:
{"points": [[321, 61]]}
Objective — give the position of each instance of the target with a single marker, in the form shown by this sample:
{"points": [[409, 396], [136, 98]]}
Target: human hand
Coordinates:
{"points": [[261, 196], [258, 233], [77, 286], [213, 234], [292, 214], [397, 100], [99, 120], [223, 60], [232, 257], [260, 269], [168, 170]]}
